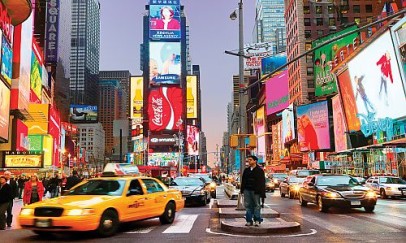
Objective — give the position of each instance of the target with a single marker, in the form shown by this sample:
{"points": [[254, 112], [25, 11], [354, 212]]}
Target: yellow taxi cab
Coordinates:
{"points": [[101, 204]]}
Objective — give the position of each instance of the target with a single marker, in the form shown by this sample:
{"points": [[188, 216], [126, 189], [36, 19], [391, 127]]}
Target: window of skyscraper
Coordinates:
{"points": [[330, 9], [368, 8], [306, 9], [308, 33], [319, 32], [319, 21], [307, 22], [319, 9], [356, 8], [331, 22]]}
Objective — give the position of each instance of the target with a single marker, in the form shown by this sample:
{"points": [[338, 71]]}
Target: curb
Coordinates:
{"points": [[265, 228]]}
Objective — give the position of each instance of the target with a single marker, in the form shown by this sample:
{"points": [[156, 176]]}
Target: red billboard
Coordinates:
{"points": [[348, 98], [21, 136], [4, 110], [165, 107]]}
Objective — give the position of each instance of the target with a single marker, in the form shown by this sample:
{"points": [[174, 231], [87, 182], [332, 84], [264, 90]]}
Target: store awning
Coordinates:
{"points": [[19, 10], [397, 143]]}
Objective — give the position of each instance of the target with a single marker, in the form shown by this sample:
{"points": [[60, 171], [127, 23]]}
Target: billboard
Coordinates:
{"points": [[161, 140], [24, 161], [191, 97], [324, 58], [48, 148], [83, 113], [256, 52], [376, 81], [277, 93], [340, 137], [347, 95], [164, 19], [136, 98], [51, 31], [288, 125], [193, 140], [6, 60], [35, 143], [40, 113], [163, 159], [164, 63], [313, 128], [140, 144], [269, 64], [259, 130], [4, 111], [165, 108], [399, 38], [276, 141], [36, 76], [21, 143]]}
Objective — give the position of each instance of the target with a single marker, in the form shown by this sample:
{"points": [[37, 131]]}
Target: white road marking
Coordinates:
{"points": [[312, 232], [326, 224], [183, 224], [357, 221], [389, 220], [142, 231]]}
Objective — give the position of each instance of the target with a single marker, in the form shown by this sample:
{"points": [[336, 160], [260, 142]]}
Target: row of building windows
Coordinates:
{"points": [[318, 9]]}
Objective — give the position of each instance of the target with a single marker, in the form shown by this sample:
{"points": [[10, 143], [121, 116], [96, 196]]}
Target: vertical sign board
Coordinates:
{"points": [[136, 99], [164, 19], [191, 97], [51, 31]]}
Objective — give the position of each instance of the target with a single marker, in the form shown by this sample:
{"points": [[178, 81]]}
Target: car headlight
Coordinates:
{"points": [[370, 194], [80, 212], [213, 185], [332, 195], [199, 192], [295, 188], [27, 212], [275, 180]]}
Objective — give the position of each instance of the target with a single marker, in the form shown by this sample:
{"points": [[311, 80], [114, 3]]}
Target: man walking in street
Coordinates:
{"points": [[72, 180], [5, 198], [253, 188], [14, 191]]}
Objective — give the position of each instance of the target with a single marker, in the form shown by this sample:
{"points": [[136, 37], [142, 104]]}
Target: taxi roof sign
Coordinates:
{"points": [[121, 169]]}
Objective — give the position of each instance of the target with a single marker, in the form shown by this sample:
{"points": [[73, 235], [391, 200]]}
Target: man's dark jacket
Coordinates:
{"points": [[14, 188], [258, 177], [5, 194], [71, 181]]}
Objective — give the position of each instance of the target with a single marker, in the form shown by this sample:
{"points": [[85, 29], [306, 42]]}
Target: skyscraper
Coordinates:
{"points": [[85, 44]]}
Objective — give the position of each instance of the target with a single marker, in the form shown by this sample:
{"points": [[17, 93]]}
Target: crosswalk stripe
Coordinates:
{"points": [[142, 230], [399, 215], [182, 224], [388, 220], [327, 225], [357, 222]]}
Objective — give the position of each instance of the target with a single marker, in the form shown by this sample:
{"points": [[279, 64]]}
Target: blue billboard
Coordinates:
{"points": [[164, 63], [83, 113], [270, 64], [6, 60], [164, 19]]}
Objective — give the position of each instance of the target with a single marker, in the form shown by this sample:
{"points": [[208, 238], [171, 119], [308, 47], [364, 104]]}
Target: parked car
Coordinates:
{"points": [[269, 185], [290, 186], [193, 189], [277, 178], [336, 191], [101, 204], [387, 186]]}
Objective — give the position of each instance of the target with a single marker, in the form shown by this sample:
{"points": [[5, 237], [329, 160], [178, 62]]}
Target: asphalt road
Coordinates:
{"points": [[199, 224]]}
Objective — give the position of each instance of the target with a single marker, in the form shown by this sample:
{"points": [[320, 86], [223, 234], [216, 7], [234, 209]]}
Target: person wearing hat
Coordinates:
{"points": [[5, 198]]}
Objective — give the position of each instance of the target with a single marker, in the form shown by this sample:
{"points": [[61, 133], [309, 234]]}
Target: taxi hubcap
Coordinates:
{"points": [[108, 223], [170, 213]]}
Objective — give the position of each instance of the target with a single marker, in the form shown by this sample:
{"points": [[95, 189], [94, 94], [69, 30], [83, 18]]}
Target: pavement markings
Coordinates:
{"points": [[312, 232], [142, 231], [389, 220], [326, 224], [371, 225], [183, 224]]}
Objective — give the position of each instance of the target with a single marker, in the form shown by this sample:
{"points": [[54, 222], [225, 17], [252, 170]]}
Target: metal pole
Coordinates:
{"points": [[121, 146]]}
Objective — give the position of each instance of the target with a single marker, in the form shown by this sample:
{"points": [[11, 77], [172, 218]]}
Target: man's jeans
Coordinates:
{"points": [[3, 209], [252, 203]]}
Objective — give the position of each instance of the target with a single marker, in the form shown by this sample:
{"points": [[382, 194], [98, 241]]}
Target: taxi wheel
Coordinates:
{"points": [[302, 201], [169, 215], [108, 223], [291, 194]]}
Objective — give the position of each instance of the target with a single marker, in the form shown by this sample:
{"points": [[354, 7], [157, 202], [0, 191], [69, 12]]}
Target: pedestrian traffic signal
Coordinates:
{"points": [[233, 141]]}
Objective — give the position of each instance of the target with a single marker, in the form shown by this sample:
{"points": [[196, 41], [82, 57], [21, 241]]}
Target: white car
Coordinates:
{"points": [[387, 186]]}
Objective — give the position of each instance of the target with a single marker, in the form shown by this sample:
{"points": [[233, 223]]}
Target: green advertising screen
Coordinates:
{"points": [[35, 142], [326, 56]]}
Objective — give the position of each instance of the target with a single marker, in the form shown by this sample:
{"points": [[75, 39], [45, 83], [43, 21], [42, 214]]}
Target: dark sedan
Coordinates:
{"points": [[290, 186], [341, 191], [193, 189]]}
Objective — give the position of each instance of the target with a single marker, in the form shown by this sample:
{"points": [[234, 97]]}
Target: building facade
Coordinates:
{"points": [[91, 139]]}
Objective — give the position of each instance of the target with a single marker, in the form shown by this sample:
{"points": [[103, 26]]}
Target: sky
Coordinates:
{"points": [[211, 33]]}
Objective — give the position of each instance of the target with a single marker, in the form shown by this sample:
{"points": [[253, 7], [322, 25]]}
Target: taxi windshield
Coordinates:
{"points": [[99, 187]]}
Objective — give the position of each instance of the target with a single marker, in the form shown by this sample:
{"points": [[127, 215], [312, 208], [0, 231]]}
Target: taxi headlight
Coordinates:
{"points": [[27, 212], [80, 212], [370, 194], [332, 195], [213, 185], [295, 188]]}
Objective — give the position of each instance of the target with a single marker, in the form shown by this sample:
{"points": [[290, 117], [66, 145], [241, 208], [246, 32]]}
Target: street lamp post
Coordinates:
{"points": [[180, 144]]}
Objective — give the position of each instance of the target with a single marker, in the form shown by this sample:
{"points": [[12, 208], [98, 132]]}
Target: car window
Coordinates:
{"points": [[136, 186], [336, 181], [152, 186], [187, 181], [99, 187], [394, 180]]}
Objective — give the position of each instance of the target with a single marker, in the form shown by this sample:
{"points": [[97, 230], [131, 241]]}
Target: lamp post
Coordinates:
{"points": [[180, 144]]}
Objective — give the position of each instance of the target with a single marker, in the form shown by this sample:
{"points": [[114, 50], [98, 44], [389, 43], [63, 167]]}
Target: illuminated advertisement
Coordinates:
{"points": [[24, 161], [4, 110], [36, 76], [6, 60], [163, 159], [277, 93], [376, 81], [192, 139], [256, 52], [137, 131], [48, 146], [140, 144], [40, 113], [164, 19], [340, 137], [21, 136], [276, 141], [164, 63], [83, 113], [136, 98], [288, 125], [165, 108], [324, 58], [270, 64], [399, 38], [191, 97], [35, 143], [161, 140], [259, 130], [313, 129], [348, 100], [51, 31]]}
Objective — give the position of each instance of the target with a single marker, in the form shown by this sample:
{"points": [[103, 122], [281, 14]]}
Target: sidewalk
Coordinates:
{"points": [[17, 205]]}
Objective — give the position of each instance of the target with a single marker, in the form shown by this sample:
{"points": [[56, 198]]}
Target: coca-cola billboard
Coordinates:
{"points": [[165, 108]]}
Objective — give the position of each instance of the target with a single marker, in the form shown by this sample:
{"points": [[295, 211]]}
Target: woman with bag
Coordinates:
{"points": [[33, 191]]}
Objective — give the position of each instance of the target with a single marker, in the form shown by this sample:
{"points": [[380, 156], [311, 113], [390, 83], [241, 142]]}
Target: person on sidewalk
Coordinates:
{"points": [[253, 188], [72, 180], [33, 191], [14, 192], [21, 181], [5, 198]]}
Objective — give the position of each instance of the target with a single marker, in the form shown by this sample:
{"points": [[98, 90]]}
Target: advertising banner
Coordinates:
{"points": [[136, 98], [376, 81], [24, 161], [164, 63], [36, 76], [83, 113], [277, 93], [21, 136], [48, 148], [51, 31], [39, 125], [6, 60], [35, 143], [137, 131], [4, 111], [165, 108], [313, 128], [399, 39], [140, 144], [163, 159], [193, 139], [324, 58], [347, 95], [256, 52], [276, 142], [191, 96], [259, 130], [161, 140], [340, 137], [269, 64], [288, 125], [164, 20]]}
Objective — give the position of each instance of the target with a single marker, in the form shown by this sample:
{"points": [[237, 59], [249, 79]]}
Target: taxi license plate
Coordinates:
{"points": [[43, 223], [355, 202]]}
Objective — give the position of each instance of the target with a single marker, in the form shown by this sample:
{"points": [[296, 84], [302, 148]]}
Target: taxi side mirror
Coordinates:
{"points": [[134, 191]]}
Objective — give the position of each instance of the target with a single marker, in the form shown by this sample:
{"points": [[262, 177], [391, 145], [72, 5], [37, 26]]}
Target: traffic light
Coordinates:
{"points": [[233, 141], [252, 141]]}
